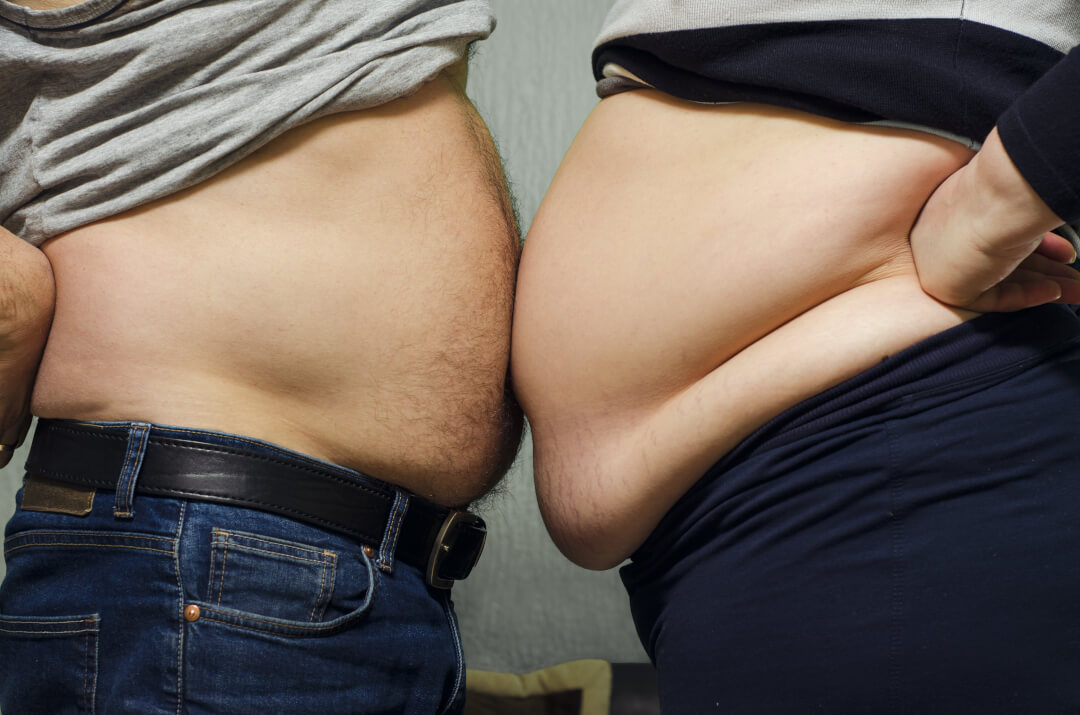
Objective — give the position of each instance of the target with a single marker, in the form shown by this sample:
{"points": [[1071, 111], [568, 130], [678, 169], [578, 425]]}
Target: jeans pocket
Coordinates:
{"points": [[282, 587], [64, 649], [271, 577]]}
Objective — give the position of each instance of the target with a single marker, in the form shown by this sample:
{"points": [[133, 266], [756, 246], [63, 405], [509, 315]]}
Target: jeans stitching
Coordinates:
{"points": [[398, 521], [393, 527], [234, 541], [90, 678], [51, 633], [266, 631], [224, 563], [318, 597], [86, 669], [143, 432], [299, 630], [284, 627], [123, 475], [57, 622], [179, 610], [458, 655], [13, 549], [89, 683], [125, 534], [238, 546], [129, 472], [213, 564], [276, 554], [93, 681], [239, 538], [333, 585], [322, 587]]}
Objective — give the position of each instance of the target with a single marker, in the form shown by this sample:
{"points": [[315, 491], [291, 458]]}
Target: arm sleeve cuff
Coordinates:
{"points": [[1041, 133]]}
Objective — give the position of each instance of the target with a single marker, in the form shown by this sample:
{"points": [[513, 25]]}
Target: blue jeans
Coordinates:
{"points": [[194, 607]]}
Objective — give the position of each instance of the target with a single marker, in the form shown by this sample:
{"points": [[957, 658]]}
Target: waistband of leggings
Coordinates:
{"points": [[983, 351], [201, 465], [990, 347]]}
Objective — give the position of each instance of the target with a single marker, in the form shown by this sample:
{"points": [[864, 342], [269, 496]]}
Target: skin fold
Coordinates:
{"points": [[694, 271]]}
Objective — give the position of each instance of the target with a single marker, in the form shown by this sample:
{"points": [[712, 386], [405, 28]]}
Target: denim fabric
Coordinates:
{"points": [[96, 615]]}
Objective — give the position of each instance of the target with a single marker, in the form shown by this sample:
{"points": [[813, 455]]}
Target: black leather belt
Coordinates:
{"points": [[444, 543]]}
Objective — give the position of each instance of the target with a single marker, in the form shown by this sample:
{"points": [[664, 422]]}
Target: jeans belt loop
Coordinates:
{"points": [[138, 436], [128, 457], [393, 529]]}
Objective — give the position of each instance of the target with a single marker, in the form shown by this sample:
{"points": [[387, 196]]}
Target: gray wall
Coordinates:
{"points": [[10, 476], [525, 607]]}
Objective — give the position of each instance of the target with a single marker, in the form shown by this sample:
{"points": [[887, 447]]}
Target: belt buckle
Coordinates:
{"points": [[460, 540]]}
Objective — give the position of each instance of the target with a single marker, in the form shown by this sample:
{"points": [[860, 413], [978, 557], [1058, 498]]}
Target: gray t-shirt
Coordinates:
{"points": [[112, 103]]}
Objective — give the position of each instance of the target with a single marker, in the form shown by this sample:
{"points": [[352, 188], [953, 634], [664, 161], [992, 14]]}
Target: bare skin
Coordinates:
{"points": [[345, 292], [694, 271], [27, 295], [981, 242]]}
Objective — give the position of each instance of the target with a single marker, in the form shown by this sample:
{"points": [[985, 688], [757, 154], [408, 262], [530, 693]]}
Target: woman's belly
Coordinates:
{"points": [[345, 292], [693, 272]]}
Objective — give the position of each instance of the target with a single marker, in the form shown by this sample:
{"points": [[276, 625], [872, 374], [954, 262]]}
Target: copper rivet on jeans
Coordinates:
{"points": [[369, 552], [191, 614]]}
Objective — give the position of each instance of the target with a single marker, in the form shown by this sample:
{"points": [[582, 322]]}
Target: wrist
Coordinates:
{"points": [[1003, 207]]}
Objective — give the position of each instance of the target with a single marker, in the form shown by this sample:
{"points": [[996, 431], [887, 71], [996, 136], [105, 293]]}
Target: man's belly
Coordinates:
{"points": [[345, 292], [693, 272]]}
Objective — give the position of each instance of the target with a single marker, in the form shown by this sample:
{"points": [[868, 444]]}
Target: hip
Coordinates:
{"points": [[922, 507], [346, 291], [694, 271], [156, 603]]}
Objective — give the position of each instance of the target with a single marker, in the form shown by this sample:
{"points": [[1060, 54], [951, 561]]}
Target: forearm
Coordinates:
{"points": [[1028, 172], [1005, 209], [27, 297], [1039, 133], [974, 241]]}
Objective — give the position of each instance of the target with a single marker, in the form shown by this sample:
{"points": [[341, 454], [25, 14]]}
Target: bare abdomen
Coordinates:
{"points": [[693, 272], [345, 292]]}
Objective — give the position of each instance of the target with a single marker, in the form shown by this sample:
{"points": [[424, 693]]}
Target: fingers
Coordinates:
{"points": [[11, 438], [1056, 248], [1052, 268], [7, 451], [1070, 292], [1037, 281], [1017, 294]]}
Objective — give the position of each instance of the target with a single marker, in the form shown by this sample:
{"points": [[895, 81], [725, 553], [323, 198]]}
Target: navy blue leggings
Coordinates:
{"points": [[906, 542]]}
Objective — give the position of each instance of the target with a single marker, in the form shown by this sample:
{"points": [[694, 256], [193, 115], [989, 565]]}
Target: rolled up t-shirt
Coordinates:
{"points": [[109, 104]]}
